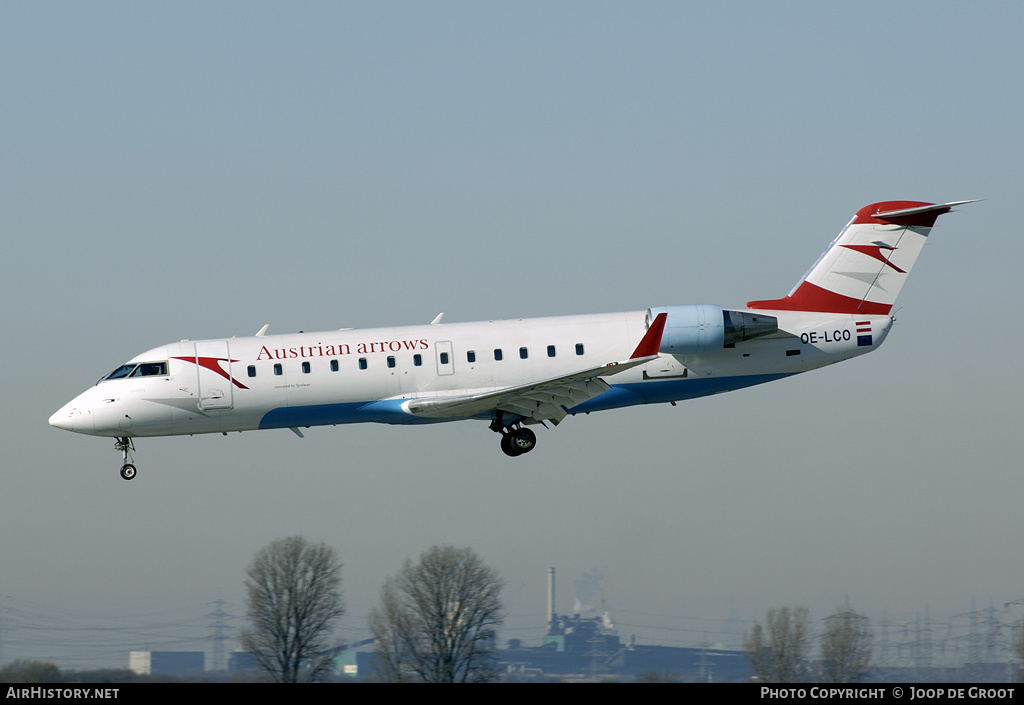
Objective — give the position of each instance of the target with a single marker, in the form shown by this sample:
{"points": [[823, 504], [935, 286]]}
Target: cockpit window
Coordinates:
{"points": [[122, 371], [135, 369], [150, 369]]}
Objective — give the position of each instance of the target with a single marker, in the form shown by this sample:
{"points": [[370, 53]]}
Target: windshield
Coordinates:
{"points": [[137, 369], [122, 371]]}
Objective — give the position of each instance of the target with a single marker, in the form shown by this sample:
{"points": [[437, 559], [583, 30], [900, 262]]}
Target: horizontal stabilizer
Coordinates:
{"points": [[922, 215]]}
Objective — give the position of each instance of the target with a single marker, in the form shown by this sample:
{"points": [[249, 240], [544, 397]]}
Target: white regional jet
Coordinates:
{"points": [[516, 373]]}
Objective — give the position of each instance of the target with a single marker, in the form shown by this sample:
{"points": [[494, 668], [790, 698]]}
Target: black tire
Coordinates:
{"points": [[128, 471], [524, 439], [508, 447]]}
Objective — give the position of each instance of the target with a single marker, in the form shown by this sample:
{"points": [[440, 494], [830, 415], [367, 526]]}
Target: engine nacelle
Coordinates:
{"points": [[701, 328], [744, 325]]}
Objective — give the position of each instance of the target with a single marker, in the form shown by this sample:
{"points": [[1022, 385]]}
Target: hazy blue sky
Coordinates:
{"points": [[194, 170]]}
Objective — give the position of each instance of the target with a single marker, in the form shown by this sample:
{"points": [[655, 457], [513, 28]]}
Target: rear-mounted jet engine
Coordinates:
{"points": [[700, 328]]}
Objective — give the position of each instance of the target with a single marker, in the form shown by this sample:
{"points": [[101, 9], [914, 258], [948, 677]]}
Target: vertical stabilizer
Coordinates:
{"points": [[865, 267]]}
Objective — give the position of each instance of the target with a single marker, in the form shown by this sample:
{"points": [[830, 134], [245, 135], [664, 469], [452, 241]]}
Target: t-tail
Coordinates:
{"points": [[865, 267]]}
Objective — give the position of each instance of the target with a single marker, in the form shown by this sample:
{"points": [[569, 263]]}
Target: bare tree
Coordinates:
{"points": [[778, 653], [294, 598], [438, 619], [846, 647], [758, 653], [390, 628]]}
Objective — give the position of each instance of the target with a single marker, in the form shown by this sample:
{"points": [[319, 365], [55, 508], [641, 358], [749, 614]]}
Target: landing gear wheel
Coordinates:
{"points": [[125, 445], [524, 439], [508, 447]]}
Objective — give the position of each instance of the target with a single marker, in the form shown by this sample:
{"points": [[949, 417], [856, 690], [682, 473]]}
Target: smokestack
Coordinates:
{"points": [[551, 598]]}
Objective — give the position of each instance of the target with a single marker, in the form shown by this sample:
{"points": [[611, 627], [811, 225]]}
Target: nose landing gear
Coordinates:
{"points": [[125, 445]]}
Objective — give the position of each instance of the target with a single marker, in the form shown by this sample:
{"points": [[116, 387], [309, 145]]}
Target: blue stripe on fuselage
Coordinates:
{"points": [[389, 411], [663, 391], [620, 395]]}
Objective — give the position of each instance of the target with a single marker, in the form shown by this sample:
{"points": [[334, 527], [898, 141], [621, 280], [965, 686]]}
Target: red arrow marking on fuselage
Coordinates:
{"points": [[213, 364]]}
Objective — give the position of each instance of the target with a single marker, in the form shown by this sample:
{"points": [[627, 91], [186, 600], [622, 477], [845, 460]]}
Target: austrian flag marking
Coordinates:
{"points": [[863, 333]]}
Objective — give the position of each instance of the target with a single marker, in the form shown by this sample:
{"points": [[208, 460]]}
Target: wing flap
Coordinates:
{"points": [[550, 404], [542, 401]]}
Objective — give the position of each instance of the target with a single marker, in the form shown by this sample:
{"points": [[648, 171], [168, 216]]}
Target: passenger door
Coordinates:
{"points": [[213, 365]]}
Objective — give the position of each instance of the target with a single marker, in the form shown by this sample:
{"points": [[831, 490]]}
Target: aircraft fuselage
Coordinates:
{"points": [[365, 375]]}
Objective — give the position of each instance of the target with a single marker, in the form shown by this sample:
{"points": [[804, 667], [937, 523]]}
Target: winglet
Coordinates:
{"points": [[651, 342]]}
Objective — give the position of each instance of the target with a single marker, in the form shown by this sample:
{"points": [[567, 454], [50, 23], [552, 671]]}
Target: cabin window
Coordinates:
{"points": [[523, 353], [278, 370], [305, 368], [444, 358], [579, 348], [334, 365], [362, 363], [497, 353], [551, 351], [417, 360], [391, 360], [251, 369], [471, 356]]}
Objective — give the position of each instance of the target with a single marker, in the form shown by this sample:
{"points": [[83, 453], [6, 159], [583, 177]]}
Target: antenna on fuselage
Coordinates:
{"points": [[263, 330], [437, 319]]}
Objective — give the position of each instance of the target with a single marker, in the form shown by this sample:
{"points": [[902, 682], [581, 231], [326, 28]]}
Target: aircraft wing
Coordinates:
{"points": [[544, 400]]}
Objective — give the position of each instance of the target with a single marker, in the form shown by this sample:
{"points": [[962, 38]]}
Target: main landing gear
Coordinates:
{"points": [[515, 439], [518, 441], [125, 445]]}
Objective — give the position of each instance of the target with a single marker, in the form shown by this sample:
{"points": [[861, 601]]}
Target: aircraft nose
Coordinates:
{"points": [[74, 416], [63, 419]]}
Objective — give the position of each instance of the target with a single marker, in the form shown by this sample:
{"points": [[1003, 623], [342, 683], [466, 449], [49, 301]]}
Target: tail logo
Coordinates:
{"points": [[875, 251]]}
